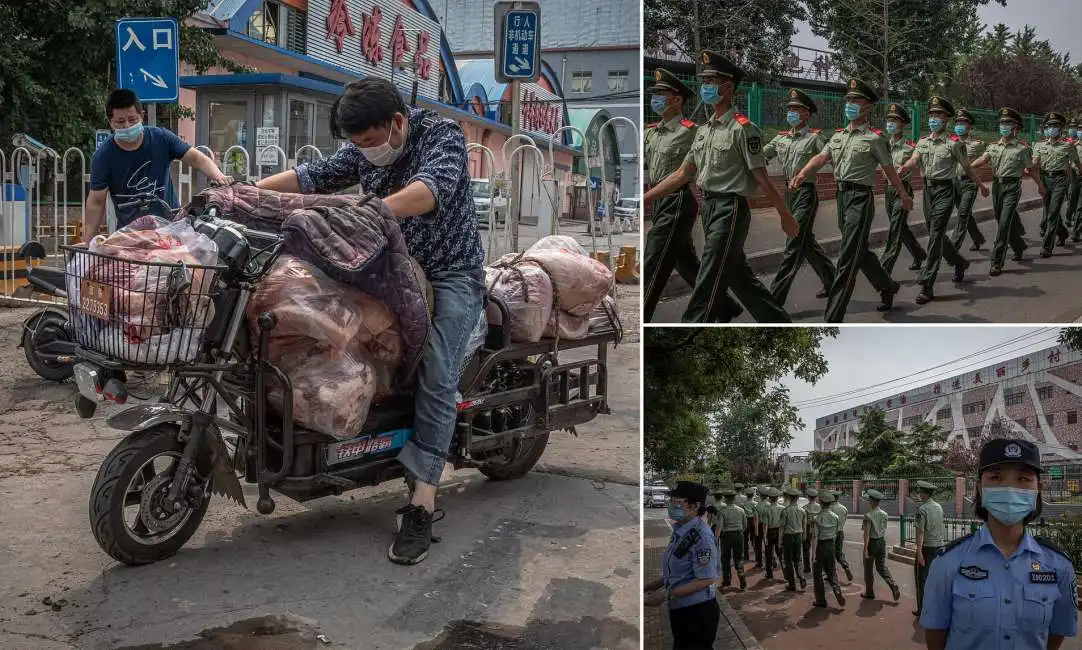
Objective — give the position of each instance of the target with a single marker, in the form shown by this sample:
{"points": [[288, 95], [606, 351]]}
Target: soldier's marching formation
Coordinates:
{"points": [[727, 159]]}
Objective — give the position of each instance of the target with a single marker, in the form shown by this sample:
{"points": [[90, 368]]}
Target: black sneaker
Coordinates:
{"points": [[413, 534]]}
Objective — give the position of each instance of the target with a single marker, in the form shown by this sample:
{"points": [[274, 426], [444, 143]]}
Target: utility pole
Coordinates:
{"points": [[695, 34], [886, 48]]}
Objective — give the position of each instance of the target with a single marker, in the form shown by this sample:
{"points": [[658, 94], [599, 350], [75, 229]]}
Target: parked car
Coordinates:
{"points": [[483, 204], [657, 497], [627, 209]]}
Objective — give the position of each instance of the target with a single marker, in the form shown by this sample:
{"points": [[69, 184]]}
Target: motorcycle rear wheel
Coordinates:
{"points": [[113, 493], [525, 455], [49, 326]]}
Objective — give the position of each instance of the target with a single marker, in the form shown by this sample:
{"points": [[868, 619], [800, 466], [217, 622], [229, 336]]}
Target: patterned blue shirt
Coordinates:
{"points": [[445, 239], [993, 602]]}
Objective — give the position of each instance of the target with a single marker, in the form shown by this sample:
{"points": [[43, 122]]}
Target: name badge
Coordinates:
{"points": [[1045, 577], [973, 572]]}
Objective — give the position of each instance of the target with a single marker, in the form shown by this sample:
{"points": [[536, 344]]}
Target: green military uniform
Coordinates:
{"points": [[1009, 158], [794, 148], [1074, 216], [793, 523], [760, 532], [966, 190], [779, 505], [825, 528], [875, 523], [1056, 158], [839, 541], [939, 155], [770, 514], [811, 493], [898, 233], [732, 521], [725, 152], [1076, 180], [668, 244], [742, 495], [930, 520], [856, 152]]}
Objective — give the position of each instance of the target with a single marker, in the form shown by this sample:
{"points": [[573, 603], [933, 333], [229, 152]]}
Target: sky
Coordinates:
{"points": [[866, 356], [1059, 21]]}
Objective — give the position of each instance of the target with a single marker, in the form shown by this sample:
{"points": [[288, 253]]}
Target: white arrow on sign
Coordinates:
{"points": [[154, 79], [519, 64]]}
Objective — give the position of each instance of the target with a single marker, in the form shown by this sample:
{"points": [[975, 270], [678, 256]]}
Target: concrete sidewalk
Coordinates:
{"points": [[732, 633]]}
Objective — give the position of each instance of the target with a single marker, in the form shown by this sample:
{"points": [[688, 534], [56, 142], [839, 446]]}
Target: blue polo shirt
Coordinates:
{"points": [[692, 555], [143, 171]]}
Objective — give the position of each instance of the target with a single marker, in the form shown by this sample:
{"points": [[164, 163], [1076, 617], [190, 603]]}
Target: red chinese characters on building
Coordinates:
{"points": [[1025, 365], [371, 35], [1053, 356], [339, 24], [902, 400], [1001, 371], [537, 115], [890, 402], [399, 46], [936, 389], [956, 384], [424, 68], [976, 378]]}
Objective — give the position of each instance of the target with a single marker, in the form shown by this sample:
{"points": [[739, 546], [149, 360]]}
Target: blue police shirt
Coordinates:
{"points": [[143, 171], [692, 555], [993, 602]]}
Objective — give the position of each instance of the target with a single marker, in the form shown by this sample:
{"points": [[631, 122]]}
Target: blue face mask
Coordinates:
{"points": [[709, 94], [130, 134], [1052, 132], [1072, 133], [1005, 130], [852, 111], [1008, 505], [960, 129], [892, 127], [793, 118], [676, 513], [658, 103], [934, 124]]}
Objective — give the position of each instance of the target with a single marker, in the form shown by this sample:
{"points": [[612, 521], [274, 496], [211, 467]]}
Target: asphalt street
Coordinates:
{"points": [[549, 560]]}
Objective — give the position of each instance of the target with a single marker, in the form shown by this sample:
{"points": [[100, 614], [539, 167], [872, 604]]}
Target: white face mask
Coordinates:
{"points": [[384, 154]]}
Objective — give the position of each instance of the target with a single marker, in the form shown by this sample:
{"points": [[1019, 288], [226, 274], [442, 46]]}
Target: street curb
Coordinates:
{"points": [[746, 639], [769, 260]]}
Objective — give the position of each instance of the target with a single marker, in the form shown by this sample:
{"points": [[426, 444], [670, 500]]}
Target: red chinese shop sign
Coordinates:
{"points": [[376, 37], [542, 111]]}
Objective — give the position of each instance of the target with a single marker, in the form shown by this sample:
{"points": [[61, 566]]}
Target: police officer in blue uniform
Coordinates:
{"points": [[1001, 588], [689, 572]]}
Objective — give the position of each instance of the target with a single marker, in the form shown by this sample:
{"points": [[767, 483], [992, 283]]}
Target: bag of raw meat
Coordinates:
{"points": [[527, 291], [580, 281], [603, 318]]}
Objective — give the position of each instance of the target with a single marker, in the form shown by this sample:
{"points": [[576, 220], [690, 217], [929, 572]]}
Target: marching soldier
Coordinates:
{"points": [[856, 151], [1010, 158], [732, 521], [1053, 160], [779, 505], [795, 148], [939, 155], [811, 508], [875, 548], [824, 531], [839, 541], [1075, 217], [760, 531], [966, 190], [726, 162], [899, 233], [1072, 139], [668, 244], [742, 503], [793, 523], [931, 535], [772, 518]]}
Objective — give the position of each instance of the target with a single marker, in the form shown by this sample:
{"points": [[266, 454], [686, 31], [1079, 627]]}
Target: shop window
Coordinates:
{"points": [[1072, 417], [1015, 398], [618, 81], [972, 407], [296, 31], [1044, 392], [974, 432], [227, 127], [1051, 419], [263, 25], [943, 414], [582, 82], [912, 420]]}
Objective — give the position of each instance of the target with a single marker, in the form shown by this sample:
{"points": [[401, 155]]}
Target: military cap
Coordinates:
{"points": [[749, 492], [814, 508], [857, 88], [898, 111], [1010, 114], [1072, 123], [964, 114], [998, 452], [826, 497], [875, 494], [716, 64], [937, 103], [800, 100], [665, 80], [693, 492], [728, 492], [791, 491], [811, 492], [1054, 118], [925, 485], [738, 486]]}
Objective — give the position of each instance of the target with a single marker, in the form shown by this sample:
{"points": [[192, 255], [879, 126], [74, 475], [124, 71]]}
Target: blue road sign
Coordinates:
{"points": [[595, 183], [521, 49], [101, 136], [148, 58]]}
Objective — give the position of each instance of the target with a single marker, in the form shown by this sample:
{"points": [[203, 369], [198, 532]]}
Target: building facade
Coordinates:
{"points": [[593, 48], [1039, 394]]}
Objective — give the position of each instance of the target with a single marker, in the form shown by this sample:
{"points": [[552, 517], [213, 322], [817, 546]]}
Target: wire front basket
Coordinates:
{"points": [[144, 314]]}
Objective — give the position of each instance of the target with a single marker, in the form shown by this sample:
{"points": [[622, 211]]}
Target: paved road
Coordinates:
{"points": [[1036, 290], [518, 565]]}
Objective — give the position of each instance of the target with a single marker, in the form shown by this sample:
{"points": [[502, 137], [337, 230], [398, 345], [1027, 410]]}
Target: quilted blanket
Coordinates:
{"points": [[353, 239]]}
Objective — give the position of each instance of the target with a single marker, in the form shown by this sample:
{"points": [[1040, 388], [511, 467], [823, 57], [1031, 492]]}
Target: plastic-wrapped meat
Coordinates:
{"points": [[605, 317], [571, 327], [527, 290], [580, 281]]}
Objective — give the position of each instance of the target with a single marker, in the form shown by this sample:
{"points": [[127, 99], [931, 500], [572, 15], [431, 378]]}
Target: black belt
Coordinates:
{"points": [[804, 184], [963, 179], [720, 195], [939, 182], [853, 187], [1008, 179], [1056, 174]]}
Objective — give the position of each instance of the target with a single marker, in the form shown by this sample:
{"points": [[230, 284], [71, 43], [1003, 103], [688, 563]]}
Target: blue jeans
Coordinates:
{"points": [[459, 298]]}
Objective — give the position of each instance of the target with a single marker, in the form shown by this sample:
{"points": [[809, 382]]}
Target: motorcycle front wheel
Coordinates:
{"points": [[128, 516]]}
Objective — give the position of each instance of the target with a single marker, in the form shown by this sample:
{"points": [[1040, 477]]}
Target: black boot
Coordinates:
{"points": [[896, 592], [960, 272], [839, 595], [916, 265], [927, 294], [887, 297]]}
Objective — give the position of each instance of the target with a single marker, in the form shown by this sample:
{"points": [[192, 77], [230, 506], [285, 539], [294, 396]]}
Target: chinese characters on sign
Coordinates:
{"points": [[147, 58], [339, 24], [541, 111]]}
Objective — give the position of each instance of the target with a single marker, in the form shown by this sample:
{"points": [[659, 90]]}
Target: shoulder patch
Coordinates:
{"points": [[953, 544], [652, 125], [1050, 545], [911, 143], [925, 137], [839, 130], [741, 118], [688, 123], [955, 138], [814, 130], [876, 131]]}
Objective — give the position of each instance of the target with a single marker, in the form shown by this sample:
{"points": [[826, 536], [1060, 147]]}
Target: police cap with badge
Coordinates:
{"points": [[1009, 114], [999, 452], [963, 114], [690, 491], [874, 494], [937, 103], [898, 112], [798, 99], [667, 81], [1054, 118], [857, 89], [716, 65], [826, 496]]}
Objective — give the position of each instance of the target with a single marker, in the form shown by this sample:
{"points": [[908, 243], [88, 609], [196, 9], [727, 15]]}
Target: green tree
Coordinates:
{"points": [[755, 35], [693, 373], [1071, 336], [56, 63], [920, 453], [829, 465], [876, 444], [748, 433]]}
